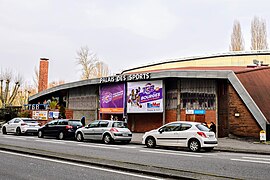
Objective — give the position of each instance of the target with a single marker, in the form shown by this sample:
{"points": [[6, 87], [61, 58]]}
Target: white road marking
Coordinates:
{"points": [[174, 151], [81, 165], [51, 141], [252, 161], [118, 146], [255, 158], [171, 153], [104, 147], [12, 137]]}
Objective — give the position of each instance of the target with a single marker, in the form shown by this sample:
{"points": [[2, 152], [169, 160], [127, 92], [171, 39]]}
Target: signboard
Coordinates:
{"points": [[43, 115], [36, 106], [144, 97], [112, 98], [199, 111], [53, 114], [125, 77], [262, 135]]}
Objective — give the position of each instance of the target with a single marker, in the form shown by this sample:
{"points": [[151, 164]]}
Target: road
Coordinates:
{"points": [[220, 164]]}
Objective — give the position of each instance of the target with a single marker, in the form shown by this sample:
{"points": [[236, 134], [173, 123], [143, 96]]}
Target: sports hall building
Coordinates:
{"points": [[231, 89]]}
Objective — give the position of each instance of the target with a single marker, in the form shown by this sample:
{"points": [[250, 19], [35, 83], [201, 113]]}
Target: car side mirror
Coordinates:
{"points": [[161, 131]]}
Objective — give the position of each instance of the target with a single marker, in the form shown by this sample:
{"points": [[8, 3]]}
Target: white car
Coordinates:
{"points": [[107, 131], [193, 135], [21, 126]]}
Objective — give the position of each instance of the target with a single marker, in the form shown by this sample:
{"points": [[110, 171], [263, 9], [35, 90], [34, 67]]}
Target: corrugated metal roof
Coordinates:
{"points": [[257, 83]]}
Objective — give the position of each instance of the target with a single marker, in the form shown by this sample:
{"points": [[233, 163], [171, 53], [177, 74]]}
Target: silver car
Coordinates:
{"points": [[107, 131]]}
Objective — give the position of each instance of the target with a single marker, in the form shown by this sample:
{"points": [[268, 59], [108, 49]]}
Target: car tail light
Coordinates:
{"points": [[113, 130], [23, 124], [69, 127], [202, 134]]}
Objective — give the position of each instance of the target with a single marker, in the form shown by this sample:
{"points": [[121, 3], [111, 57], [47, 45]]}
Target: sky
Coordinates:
{"points": [[122, 33]]}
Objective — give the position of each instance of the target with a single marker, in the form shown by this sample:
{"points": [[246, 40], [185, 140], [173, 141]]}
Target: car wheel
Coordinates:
{"points": [[79, 137], [4, 131], [18, 131], [61, 135], [40, 134], [107, 139], [208, 149], [194, 145], [150, 142]]}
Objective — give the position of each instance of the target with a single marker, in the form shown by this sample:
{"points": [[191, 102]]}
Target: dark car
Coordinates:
{"points": [[61, 128]]}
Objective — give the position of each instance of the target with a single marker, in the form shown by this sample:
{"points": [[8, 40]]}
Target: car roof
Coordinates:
{"points": [[190, 122]]}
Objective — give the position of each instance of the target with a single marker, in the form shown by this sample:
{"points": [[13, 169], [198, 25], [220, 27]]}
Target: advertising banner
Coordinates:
{"points": [[112, 98], [144, 97], [41, 115]]}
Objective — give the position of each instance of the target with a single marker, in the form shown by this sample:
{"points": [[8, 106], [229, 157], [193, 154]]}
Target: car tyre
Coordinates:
{"points": [[61, 135], [194, 145], [79, 137], [4, 131], [150, 142], [107, 139], [208, 149], [40, 134], [18, 131]]}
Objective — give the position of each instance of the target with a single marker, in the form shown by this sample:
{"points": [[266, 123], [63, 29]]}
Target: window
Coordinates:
{"points": [[198, 94], [53, 122], [93, 124], [119, 124], [185, 126], [17, 120], [62, 122], [103, 124], [202, 128], [75, 123], [171, 127]]}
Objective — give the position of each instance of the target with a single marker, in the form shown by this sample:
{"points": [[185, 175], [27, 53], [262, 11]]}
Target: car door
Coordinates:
{"points": [[102, 127], [9, 125], [15, 124], [49, 128], [89, 130], [184, 134], [168, 135]]}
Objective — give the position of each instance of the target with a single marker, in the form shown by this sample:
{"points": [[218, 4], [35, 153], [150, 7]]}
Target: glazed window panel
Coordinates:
{"points": [[171, 99], [198, 94]]}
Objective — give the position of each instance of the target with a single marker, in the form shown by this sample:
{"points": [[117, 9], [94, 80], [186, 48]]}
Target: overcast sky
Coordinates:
{"points": [[123, 33]]}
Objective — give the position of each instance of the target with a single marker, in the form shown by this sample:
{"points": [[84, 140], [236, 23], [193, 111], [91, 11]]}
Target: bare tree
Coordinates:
{"points": [[7, 96], [56, 83], [92, 67], [258, 34], [237, 42], [102, 69], [36, 79]]}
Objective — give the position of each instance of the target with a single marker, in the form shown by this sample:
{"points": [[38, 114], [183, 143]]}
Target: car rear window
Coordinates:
{"points": [[119, 124], [30, 120], [75, 123], [202, 127]]}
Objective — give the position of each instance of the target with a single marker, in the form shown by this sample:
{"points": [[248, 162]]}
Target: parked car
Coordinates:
{"points": [[107, 131], [61, 128], [193, 135], [21, 126]]}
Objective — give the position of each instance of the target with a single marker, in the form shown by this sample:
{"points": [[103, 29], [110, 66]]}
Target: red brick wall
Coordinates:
{"points": [[43, 74], [170, 115], [245, 125], [144, 122]]}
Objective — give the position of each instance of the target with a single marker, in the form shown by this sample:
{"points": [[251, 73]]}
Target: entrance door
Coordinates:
{"points": [[195, 117]]}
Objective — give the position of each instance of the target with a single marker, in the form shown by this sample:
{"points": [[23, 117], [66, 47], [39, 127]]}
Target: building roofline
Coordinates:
{"points": [[192, 58]]}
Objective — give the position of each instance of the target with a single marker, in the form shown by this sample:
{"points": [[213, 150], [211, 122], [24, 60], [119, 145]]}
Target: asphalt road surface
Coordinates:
{"points": [[223, 164]]}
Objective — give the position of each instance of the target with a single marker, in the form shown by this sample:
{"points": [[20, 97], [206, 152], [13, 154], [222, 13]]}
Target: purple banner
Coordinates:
{"points": [[112, 96]]}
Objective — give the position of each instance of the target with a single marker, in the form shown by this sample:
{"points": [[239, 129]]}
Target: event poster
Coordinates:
{"points": [[144, 97], [112, 98]]}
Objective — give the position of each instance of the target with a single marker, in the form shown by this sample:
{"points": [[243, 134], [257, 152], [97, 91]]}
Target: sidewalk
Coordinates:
{"points": [[227, 144]]}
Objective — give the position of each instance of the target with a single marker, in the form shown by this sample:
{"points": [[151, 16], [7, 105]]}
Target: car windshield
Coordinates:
{"points": [[75, 123], [30, 121], [202, 127], [119, 124]]}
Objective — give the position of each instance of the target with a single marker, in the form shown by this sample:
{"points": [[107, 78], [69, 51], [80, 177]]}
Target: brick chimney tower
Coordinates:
{"points": [[43, 74]]}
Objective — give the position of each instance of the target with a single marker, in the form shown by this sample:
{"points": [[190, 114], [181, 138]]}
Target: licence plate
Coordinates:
{"points": [[125, 134]]}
